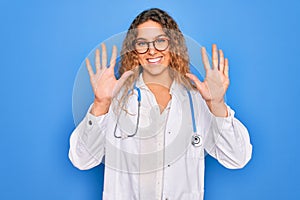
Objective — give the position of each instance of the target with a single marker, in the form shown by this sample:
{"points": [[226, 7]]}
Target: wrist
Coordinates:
{"points": [[102, 101], [218, 108], [100, 107]]}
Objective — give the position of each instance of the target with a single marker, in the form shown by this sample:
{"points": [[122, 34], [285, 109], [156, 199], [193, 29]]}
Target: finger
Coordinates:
{"points": [[205, 59], [125, 76], [113, 58], [214, 57], [97, 60], [226, 68], [121, 81], [221, 65], [195, 79], [89, 67], [104, 55]]}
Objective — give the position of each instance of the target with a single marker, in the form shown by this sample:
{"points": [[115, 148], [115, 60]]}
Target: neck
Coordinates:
{"points": [[163, 79]]}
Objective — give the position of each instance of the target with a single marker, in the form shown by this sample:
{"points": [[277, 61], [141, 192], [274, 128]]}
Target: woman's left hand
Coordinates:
{"points": [[216, 81]]}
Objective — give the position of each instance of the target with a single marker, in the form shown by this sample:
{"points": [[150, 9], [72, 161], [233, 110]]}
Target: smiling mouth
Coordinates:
{"points": [[154, 60]]}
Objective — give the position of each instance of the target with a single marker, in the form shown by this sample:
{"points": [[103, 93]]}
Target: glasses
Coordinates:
{"points": [[142, 46]]}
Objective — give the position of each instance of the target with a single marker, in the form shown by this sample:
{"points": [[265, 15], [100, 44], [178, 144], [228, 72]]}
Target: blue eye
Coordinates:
{"points": [[141, 43], [160, 40]]}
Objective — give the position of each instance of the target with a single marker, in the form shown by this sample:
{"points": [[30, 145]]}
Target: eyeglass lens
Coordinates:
{"points": [[160, 44]]}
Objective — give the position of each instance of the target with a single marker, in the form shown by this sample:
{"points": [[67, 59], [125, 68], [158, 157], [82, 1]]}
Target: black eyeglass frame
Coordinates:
{"points": [[148, 45]]}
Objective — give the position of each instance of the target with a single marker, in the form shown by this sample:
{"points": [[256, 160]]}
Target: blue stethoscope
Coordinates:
{"points": [[196, 138]]}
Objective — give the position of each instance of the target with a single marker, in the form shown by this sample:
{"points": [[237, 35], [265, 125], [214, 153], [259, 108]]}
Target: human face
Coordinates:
{"points": [[154, 62]]}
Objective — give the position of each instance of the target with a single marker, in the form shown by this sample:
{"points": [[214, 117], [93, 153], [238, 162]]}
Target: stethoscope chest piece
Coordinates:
{"points": [[196, 140]]}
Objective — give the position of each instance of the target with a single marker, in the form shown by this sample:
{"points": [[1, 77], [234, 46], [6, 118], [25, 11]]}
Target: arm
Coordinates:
{"points": [[226, 138], [228, 141], [87, 142]]}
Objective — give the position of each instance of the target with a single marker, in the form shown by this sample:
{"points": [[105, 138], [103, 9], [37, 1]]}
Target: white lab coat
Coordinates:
{"points": [[225, 139]]}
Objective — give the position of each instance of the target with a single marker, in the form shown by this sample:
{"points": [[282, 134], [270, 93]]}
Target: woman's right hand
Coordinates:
{"points": [[104, 83]]}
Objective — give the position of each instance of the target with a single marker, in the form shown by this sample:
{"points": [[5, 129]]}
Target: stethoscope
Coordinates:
{"points": [[196, 138]]}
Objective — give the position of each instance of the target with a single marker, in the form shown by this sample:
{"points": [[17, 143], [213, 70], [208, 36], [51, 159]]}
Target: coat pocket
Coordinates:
{"points": [[118, 196], [192, 196], [194, 152]]}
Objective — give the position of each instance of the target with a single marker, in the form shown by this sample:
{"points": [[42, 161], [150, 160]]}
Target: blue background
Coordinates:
{"points": [[44, 42]]}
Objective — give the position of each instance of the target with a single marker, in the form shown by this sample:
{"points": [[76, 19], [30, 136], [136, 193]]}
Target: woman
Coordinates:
{"points": [[154, 124]]}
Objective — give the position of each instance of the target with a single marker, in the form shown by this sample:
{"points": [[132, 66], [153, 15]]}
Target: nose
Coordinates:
{"points": [[151, 48]]}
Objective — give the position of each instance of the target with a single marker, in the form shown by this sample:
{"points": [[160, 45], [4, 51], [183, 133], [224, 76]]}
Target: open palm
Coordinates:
{"points": [[104, 83], [216, 81]]}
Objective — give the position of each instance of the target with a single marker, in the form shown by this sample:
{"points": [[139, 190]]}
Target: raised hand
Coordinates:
{"points": [[216, 81], [104, 83]]}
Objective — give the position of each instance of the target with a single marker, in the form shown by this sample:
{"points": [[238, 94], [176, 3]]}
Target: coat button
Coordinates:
{"points": [[90, 122]]}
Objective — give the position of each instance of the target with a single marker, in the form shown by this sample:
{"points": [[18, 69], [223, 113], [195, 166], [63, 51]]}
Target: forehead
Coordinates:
{"points": [[149, 30]]}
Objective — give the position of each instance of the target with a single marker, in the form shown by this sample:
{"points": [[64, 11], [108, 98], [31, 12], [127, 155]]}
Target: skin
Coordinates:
{"points": [[158, 71], [104, 83], [156, 75], [216, 81]]}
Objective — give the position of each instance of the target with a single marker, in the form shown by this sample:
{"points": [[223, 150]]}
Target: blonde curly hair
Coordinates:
{"points": [[179, 59]]}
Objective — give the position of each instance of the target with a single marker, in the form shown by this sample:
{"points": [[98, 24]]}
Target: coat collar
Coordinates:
{"points": [[177, 89]]}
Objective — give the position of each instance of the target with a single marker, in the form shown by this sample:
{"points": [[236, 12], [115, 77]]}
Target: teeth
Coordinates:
{"points": [[153, 60]]}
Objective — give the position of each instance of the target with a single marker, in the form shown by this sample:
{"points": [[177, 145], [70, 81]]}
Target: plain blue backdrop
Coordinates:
{"points": [[44, 42]]}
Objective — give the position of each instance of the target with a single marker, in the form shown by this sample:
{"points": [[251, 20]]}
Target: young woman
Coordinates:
{"points": [[153, 125]]}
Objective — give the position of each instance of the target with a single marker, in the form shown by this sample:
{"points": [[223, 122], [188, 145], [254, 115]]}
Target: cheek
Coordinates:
{"points": [[140, 59], [167, 58]]}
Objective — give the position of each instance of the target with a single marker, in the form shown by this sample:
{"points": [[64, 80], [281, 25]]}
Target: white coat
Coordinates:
{"points": [[182, 169]]}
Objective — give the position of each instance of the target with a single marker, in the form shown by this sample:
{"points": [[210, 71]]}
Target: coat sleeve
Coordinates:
{"points": [[87, 142], [226, 138]]}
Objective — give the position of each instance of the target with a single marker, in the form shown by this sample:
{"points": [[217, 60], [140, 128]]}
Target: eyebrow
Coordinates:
{"points": [[140, 38]]}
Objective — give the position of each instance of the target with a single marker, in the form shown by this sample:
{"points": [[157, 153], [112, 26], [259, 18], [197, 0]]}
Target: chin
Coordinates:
{"points": [[155, 70]]}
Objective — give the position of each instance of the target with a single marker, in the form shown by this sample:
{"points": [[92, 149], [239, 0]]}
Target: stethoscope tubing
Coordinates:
{"points": [[196, 139]]}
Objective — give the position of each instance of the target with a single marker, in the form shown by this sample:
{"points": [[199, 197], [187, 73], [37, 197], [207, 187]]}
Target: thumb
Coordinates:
{"points": [[197, 82], [121, 81]]}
